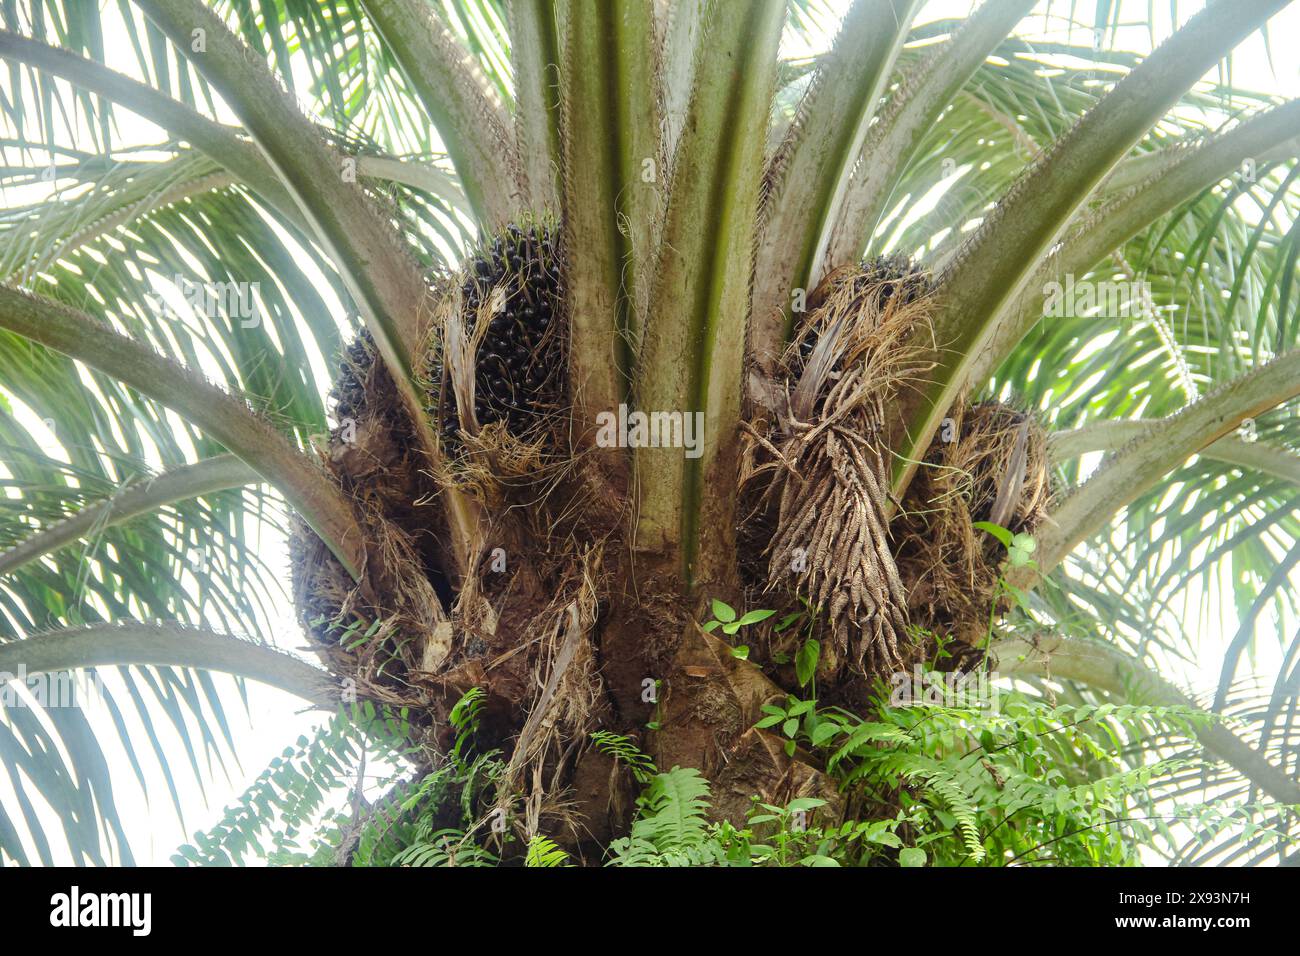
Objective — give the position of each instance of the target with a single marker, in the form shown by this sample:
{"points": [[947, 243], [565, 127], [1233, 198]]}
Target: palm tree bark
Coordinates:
{"points": [[535, 52], [610, 196], [694, 345]]}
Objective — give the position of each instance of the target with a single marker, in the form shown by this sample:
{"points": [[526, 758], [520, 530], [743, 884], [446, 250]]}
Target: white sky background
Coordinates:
{"points": [[274, 719]]}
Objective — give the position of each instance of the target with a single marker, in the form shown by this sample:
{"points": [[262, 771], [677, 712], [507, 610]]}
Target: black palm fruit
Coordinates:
{"points": [[348, 392], [520, 363]]}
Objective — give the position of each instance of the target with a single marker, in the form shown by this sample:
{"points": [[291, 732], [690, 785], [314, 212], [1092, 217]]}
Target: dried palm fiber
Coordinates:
{"points": [[497, 378], [994, 467], [321, 589], [823, 474], [497, 383], [373, 453], [565, 694]]}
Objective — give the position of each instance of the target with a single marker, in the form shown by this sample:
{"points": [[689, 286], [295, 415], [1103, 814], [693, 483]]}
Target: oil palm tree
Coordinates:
{"points": [[642, 208]]}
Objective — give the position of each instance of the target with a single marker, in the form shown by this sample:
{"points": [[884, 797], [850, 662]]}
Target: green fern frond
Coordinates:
{"points": [[543, 852], [447, 847], [673, 809], [672, 827], [625, 751]]}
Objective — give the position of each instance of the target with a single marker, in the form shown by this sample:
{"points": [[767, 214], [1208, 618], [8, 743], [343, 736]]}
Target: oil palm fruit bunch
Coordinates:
{"points": [[512, 301]]}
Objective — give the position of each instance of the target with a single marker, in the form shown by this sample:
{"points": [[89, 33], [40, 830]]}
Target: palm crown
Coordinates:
{"points": [[641, 206]]}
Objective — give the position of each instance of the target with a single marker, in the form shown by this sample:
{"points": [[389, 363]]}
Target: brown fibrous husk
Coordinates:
{"points": [[823, 472], [816, 483], [951, 568]]}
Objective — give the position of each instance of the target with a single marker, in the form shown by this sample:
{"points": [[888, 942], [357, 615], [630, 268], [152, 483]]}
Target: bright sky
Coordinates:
{"points": [[274, 719]]}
